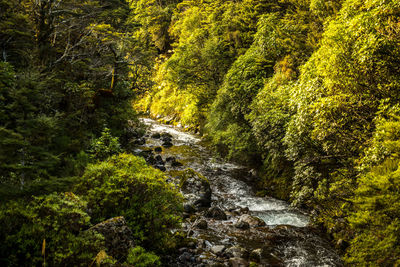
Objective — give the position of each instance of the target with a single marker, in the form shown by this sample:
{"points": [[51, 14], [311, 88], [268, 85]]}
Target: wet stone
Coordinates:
{"points": [[185, 257], [156, 135], [140, 141], [218, 250], [160, 167], [237, 252], [242, 225], [216, 213], [244, 210], [238, 262], [202, 224], [158, 149], [256, 255], [167, 144], [251, 220], [118, 236], [166, 136], [195, 188], [189, 208], [159, 160], [176, 164], [170, 159]]}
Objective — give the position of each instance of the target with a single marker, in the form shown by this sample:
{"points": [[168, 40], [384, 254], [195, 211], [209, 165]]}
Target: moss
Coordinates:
{"points": [[190, 173]]}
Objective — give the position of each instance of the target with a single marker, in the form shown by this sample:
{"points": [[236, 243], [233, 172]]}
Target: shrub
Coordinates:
{"points": [[56, 218], [125, 186], [138, 257], [104, 146]]}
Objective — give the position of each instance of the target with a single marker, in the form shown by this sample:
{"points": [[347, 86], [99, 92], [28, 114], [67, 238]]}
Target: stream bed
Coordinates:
{"points": [[232, 226]]}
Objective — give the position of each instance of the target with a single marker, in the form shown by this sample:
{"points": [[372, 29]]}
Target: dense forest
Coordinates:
{"points": [[305, 91]]}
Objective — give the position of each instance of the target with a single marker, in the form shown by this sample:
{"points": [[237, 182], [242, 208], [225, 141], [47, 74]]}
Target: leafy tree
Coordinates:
{"points": [[374, 218], [104, 146]]}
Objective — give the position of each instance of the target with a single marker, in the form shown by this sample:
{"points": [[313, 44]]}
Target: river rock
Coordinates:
{"points": [[176, 164], [256, 255], [188, 208], [237, 252], [202, 224], [167, 144], [159, 160], [218, 250], [156, 135], [242, 225], [166, 137], [117, 235], [342, 244], [216, 213], [244, 210], [146, 154], [160, 167], [251, 220], [158, 149], [238, 262], [170, 159], [195, 188], [139, 141]]}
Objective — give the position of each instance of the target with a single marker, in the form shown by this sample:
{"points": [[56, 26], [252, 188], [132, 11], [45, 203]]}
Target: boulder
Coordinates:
{"points": [[159, 160], [160, 167], [170, 159], [216, 213], [218, 250], [202, 224], [195, 188], [256, 255], [156, 135], [117, 235], [167, 144], [251, 220], [237, 252], [238, 262], [188, 208], [176, 164], [166, 137], [146, 154], [242, 225]]}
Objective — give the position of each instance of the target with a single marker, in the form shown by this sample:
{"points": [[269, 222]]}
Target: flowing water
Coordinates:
{"points": [[287, 234]]}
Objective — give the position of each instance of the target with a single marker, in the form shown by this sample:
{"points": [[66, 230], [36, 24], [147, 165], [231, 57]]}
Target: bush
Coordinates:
{"points": [[125, 186], [138, 257], [56, 218], [104, 146]]}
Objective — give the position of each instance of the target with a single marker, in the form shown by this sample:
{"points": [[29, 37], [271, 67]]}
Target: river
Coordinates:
{"points": [[287, 239]]}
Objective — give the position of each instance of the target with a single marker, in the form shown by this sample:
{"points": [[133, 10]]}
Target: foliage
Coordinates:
{"points": [[376, 217], [64, 75], [377, 199], [56, 218], [104, 146], [209, 36], [306, 91], [125, 186], [139, 257]]}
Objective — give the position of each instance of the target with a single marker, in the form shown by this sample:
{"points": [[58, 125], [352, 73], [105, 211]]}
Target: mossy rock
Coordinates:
{"points": [[195, 187]]}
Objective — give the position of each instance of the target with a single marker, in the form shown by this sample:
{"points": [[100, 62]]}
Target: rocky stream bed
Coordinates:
{"points": [[229, 224]]}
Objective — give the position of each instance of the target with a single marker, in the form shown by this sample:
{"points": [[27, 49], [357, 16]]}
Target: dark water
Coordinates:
{"points": [[287, 236]]}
